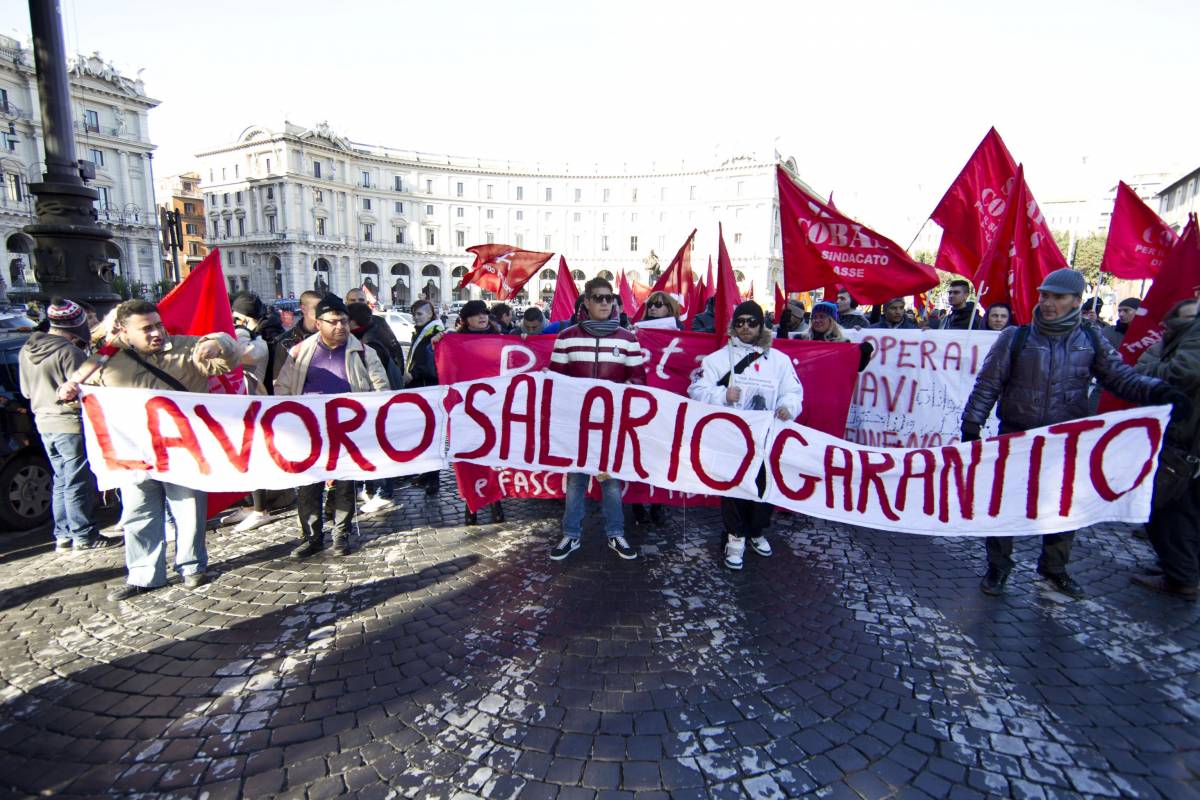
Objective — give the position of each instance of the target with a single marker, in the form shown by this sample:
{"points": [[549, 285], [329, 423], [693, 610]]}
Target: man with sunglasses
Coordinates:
{"points": [[332, 362], [746, 374], [597, 347]]}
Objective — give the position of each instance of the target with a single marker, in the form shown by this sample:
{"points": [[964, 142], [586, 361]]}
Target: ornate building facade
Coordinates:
{"points": [[111, 132], [298, 208]]}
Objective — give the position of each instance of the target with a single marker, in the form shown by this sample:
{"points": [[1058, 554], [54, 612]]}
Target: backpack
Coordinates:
{"points": [[1022, 336]]}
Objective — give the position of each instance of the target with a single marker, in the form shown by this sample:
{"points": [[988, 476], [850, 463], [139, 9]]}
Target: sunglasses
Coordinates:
{"points": [[335, 322], [657, 304], [746, 322], [603, 298]]}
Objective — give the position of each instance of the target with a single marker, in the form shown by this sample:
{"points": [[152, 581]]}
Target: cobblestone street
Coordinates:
{"points": [[438, 660]]}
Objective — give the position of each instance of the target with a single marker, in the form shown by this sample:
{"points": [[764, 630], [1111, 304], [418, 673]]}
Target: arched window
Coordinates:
{"points": [[321, 279], [401, 280], [608, 276]]}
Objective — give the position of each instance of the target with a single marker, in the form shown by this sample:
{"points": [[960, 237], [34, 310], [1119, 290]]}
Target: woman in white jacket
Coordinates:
{"points": [[747, 374]]}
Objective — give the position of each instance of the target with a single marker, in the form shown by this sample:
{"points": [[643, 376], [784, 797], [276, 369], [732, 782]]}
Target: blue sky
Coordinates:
{"points": [[880, 102]]}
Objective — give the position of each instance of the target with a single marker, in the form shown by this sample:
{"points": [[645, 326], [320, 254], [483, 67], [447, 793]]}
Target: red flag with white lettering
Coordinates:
{"points": [[1138, 241], [971, 210], [677, 279], [566, 293], [822, 247], [502, 269], [1021, 253]]}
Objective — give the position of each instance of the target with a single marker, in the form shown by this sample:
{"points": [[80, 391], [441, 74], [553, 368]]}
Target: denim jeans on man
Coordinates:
{"points": [[73, 488], [145, 518], [610, 505]]}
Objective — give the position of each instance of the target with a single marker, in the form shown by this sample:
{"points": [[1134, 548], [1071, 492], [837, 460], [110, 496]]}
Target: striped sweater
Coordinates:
{"points": [[616, 358]]}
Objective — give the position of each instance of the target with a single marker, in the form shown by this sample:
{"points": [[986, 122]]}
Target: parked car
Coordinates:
{"points": [[401, 323], [25, 474], [13, 321]]}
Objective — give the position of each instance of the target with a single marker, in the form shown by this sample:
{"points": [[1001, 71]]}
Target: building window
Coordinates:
{"points": [[737, 238], [460, 212], [268, 166], [237, 198], [430, 238], [271, 223], [633, 244], [546, 242], [606, 195], [399, 235], [740, 186], [491, 237], [691, 193], [461, 238], [228, 228], [368, 232], [241, 226], [235, 174], [662, 194], [4, 100], [105, 197], [428, 186], [491, 213], [520, 240], [520, 192], [190, 229], [16, 192], [366, 204], [366, 179], [242, 258], [193, 248], [633, 217], [429, 210], [91, 120], [578, 195], [459, 189], [633, 197], [398, 182], [604, 243], [604, 218], [318, 196], [399, 206], [549, 194], [320, 226], [520, 215], [271, 193], [575, 243], [316, 169], [577, 216], [225, 199], [489, 191], [97, 156], [189, 208]]}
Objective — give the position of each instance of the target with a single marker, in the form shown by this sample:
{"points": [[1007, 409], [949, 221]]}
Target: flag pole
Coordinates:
{"points": [[919, 231]]}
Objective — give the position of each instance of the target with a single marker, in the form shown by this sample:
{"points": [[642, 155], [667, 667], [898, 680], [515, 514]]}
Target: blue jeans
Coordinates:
{"points": [[73, 489], [146, 505], [610, 504]]}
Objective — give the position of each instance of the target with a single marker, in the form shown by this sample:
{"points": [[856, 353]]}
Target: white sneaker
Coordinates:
{"points": [[255, 519], [375, 504], [236, 516], [760, 545], [735, 550]]}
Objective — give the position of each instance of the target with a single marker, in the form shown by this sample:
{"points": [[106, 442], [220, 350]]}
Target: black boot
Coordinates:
{"points": [[993, 582], [497, 512], [308, 547], [1063, 583], [639, 513], [658, 513], [471, 518]]}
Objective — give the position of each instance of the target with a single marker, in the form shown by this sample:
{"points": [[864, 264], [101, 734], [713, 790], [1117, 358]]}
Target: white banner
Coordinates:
{"points": [[1045, 480], [236, 443], [542, 421], [913, 392]]}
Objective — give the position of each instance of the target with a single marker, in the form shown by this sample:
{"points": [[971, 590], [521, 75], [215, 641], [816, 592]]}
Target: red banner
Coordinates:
{"points": [[826, 371], [822, 247], [502, 269], [1138, 241]]}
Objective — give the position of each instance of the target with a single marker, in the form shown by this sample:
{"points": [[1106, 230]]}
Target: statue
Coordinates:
{"points": [[652, 266], [321, 285], [119, 116], [430, 291], [16, 272], [399, 292]]}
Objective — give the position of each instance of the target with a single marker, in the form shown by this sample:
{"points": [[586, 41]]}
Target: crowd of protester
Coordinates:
{"points": [[1034, 375]]}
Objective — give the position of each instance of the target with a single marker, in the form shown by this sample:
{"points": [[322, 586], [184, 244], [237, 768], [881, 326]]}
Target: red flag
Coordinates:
{"points": [[971, 210], [710, 285], [749, 295], [631, 305], [501, 269], [372, 300], [1138, 241], [677, 279], [780, 301], [696, 301], [727, 291], [1177, 280], [823, 247], [1016, 260], [640, 290], [198, 306], [566, 293]]}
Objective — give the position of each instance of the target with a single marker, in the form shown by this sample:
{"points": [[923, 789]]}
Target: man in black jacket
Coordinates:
{"points": [[963, 314], [1042, 378]]}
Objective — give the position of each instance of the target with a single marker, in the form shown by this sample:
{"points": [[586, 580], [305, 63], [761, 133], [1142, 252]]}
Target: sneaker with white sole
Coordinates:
{"points": [[255, 519], [236, 516], [621, 547], [376, 503], [735, 552], [760, 545], [564, 548]]}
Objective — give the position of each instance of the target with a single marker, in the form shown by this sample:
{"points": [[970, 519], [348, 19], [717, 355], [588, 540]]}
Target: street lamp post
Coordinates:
{"points": [[70, 258]]}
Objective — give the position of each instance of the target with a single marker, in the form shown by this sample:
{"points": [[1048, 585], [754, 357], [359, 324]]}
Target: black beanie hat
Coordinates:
{"points": [[748, 308], [248, 305], [331, 302]]}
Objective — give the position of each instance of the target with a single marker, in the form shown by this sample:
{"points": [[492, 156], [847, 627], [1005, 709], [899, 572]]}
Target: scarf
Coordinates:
{"points": [[428, 330], [1059, 327], [601, 328]]}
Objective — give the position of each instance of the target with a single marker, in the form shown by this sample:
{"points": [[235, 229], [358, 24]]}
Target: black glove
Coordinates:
{"points": [[1181, 404], [866, 351], [971, 431]]}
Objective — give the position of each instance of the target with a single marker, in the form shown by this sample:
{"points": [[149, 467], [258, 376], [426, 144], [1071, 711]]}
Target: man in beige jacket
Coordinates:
{"points": [[330, 362], [150, 358]]}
